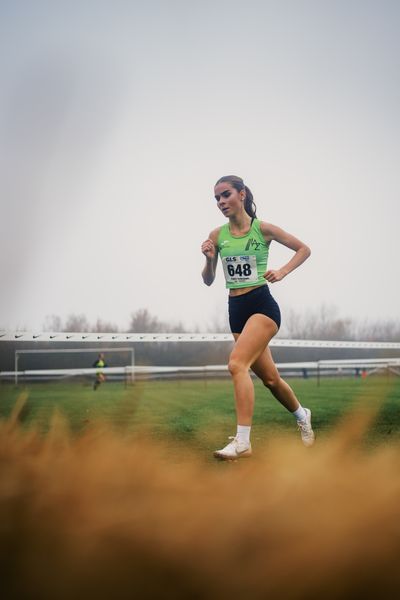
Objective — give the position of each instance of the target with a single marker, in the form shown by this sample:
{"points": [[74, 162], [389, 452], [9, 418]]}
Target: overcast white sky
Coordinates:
{"points": [[117, 118]]}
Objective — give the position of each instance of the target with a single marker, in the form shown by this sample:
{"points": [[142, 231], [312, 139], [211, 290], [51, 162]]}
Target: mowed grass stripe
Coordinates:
{"points": [[202, 413]]}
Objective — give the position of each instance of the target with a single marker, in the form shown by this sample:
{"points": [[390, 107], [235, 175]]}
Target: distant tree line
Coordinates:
{"points": [[323, 323], [141, 322]]}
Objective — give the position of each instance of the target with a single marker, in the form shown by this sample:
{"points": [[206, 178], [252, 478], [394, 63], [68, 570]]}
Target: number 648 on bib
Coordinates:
{"points": [[240, 269]]}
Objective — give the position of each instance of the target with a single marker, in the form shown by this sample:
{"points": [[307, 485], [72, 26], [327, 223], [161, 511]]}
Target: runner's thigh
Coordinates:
{"points": [[253, 340]]}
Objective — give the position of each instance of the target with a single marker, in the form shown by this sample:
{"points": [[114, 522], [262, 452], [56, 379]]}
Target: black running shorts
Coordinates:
{"points": [[257, 301]]}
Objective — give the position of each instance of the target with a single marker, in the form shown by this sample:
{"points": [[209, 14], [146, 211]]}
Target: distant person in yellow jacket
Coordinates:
{"points": [[99, 364]]}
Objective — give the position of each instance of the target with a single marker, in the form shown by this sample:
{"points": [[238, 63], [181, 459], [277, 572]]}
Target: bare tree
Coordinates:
{"points": [[143, 322], [104, 327], [53, 323], [383, 331], [77, 323], [322, 323]]}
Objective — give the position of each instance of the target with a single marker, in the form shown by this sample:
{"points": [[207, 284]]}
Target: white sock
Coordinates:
{"points": [[243, 433], [300, 414]]}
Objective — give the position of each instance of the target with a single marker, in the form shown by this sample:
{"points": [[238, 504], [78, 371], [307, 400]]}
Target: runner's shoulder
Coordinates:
{"points": [[214, 235]]}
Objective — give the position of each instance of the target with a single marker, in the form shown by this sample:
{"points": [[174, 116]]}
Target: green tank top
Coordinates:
{"points": [[244, 258]]}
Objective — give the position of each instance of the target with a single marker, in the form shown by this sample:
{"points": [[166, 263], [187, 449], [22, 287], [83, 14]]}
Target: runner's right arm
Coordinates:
{"points": [[210, 250]]}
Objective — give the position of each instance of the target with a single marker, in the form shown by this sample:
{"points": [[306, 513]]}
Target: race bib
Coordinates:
{"points": [[240, 269]]}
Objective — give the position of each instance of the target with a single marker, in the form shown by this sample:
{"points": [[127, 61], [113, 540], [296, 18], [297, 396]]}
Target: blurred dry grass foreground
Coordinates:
{"points": [[103, 515]]}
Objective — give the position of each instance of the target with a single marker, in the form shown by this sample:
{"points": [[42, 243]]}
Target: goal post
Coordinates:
{"points": [[130, 351]]}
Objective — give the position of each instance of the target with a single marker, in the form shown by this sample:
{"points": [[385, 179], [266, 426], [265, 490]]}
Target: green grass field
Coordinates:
{"points": [[201, 414]]}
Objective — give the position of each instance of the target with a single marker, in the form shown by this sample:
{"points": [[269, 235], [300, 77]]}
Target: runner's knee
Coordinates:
{"points": [[272, 381], [236, 366]]}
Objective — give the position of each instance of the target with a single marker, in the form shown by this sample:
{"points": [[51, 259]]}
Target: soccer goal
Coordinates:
{"points": [[83, 367]]}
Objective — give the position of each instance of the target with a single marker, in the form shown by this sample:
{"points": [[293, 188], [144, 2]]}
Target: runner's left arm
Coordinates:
{"points": [[301, 250]]}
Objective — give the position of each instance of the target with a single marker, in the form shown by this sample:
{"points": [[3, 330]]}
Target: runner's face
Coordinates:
{"points": [[229, 200]]}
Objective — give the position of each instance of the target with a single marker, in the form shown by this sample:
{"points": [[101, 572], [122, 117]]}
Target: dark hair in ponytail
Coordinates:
{"points": [[238, 184]]}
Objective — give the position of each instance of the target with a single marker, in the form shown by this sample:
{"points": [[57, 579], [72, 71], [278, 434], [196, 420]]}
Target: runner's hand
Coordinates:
{"points": [[272, 276], [208, 249]]}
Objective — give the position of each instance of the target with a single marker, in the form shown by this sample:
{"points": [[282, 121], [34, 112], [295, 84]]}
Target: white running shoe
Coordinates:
{"points": [[235, 449], [307, 434]]}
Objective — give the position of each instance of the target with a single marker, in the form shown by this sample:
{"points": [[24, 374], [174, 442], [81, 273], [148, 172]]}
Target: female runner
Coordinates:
{"points": [[254, 316]]}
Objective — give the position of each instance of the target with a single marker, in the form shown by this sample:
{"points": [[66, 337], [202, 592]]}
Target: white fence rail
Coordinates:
{"points": [[74, 337], [129, 372]]}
